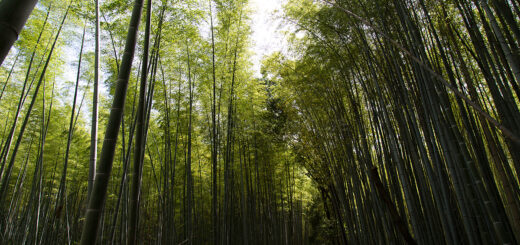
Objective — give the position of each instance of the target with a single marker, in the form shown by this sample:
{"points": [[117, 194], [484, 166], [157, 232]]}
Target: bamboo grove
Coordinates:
{"points": [[143, 122]]}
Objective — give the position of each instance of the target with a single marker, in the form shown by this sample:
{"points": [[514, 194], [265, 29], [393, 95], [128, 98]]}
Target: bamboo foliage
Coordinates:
{"points": [[380, 122], [435, 144]]}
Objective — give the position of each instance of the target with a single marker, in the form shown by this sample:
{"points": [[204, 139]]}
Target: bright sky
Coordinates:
{"points": [[266, 37], [265, 24]]}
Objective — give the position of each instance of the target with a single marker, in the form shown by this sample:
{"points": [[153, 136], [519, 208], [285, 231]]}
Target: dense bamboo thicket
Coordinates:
{"points": [[143, 122]]}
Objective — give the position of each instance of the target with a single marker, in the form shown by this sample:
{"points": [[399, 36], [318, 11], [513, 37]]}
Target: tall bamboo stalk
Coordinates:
{"points": [[98, 195]]}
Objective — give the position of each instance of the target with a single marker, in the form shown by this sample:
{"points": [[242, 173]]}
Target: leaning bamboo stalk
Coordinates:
{"points": [[505, 131], [62, 192], [98, 196], [9, 75], [13, 15], [95, 107], [7, 144], [140, 141], [5, 177]]}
